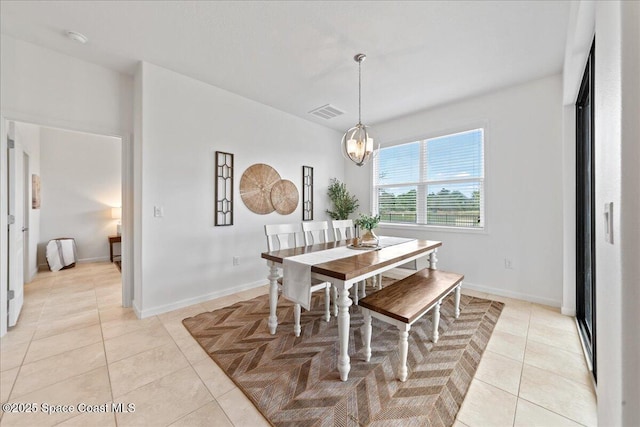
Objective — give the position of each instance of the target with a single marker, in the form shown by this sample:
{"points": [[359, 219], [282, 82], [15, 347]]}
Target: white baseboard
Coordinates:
{"points": [[45, 267], [195, 300], [512, 294], [94, 259], [568, 311]]}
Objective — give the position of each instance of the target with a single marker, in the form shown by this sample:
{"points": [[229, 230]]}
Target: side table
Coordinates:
{"points": [[112, 240]]}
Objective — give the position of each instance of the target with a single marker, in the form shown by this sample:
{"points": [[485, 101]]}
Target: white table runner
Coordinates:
{"points": [[297, 269]]}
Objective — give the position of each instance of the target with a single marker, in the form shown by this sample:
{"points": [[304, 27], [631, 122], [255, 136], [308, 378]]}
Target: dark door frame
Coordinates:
{"points": [[585, 177]]}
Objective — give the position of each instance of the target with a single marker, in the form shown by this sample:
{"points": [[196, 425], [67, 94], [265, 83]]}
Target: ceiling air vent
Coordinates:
{"points": [[326, 112]]}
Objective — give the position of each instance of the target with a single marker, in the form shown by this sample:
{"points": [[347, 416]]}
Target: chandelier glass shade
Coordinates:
{"points": [[357, 142]]}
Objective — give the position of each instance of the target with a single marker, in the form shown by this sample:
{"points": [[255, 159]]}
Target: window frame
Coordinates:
{"points": [[422, 186]]}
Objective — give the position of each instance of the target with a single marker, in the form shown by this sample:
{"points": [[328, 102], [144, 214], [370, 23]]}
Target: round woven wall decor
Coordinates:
{"points": [[284, 197], [255, 187]]}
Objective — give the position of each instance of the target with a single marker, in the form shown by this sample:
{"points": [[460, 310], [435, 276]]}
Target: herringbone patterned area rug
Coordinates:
{"points": [[295, 382]]}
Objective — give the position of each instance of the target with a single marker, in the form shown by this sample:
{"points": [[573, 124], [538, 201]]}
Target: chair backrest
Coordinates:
{"points": [[315, 232], [343, 229], [282, 236]]}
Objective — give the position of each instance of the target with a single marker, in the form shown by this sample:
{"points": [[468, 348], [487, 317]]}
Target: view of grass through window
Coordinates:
{"points": [[436, 181]]}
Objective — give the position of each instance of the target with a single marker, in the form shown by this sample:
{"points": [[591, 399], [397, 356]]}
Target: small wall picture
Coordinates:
{"points": [[35, 191]]}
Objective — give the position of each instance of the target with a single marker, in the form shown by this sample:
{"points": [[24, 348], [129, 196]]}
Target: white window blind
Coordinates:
{"points": [[437, 181]]}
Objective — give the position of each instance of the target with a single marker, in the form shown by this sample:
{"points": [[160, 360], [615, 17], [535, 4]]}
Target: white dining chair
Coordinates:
{"points": [[343, 229], [315, 232], [285, 236]]}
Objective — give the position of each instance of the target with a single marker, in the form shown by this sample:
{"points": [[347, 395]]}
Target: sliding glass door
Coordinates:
{"points": [[585, 210]]}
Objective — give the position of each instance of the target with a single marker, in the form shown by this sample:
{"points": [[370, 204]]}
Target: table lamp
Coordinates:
{"points": [[116, 213]]}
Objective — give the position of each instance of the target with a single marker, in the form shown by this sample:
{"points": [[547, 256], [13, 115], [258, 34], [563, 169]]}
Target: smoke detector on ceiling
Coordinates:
{"points": [[326, 112], [78, 37]]}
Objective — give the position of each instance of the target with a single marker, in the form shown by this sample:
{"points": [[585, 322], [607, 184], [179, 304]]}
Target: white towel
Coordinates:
{"points": [[60, 253]]}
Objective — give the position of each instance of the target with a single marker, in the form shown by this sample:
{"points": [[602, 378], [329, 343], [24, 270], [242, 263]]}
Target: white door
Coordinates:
{"points": [[26, 210], [16, 224]]}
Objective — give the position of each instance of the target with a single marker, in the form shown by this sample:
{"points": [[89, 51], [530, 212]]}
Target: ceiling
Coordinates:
{"points": [[296, 56]]}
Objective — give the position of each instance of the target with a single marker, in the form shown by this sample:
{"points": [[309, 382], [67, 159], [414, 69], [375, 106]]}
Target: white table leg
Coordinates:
{"points": [[433, 260], [367, 334], [296, 320], [273, 297], [458, 300], [403, 345], [327, 303], [355, 293], [436, 322], [344, 319], [364, 289]]}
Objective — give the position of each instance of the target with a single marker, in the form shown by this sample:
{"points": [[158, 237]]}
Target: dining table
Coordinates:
{"points": [[344, 272]]}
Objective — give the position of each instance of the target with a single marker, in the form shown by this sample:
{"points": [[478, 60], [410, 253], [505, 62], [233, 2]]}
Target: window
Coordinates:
{"points": [[437, 181]]}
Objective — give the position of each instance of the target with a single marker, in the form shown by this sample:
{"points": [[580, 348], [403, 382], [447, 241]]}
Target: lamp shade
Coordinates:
{"points": [[357, 144], [116, 213]]}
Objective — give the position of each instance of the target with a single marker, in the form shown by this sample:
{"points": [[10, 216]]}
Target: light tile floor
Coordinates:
{"points": [[75, 344]]}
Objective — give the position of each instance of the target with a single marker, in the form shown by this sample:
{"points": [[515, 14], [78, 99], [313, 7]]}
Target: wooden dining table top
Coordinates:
{"points": [[361, 262]]}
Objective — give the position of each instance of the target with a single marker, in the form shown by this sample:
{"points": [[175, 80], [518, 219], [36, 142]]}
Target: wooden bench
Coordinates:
{"points": [[406, 301]]}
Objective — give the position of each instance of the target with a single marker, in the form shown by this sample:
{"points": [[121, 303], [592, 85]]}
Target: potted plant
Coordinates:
{"points": [[368, 223], [344, 203]]}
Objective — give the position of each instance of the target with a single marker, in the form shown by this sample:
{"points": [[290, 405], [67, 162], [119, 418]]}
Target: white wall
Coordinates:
{"points": [[616, 175], [184, 258], [28, 137], [630, 212], [80, 180], [523, 143], [617, 156], [38, 85]]}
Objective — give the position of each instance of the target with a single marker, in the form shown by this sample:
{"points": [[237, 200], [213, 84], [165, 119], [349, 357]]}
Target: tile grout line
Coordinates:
{"points": [[524, 356], [553, 412], [106, 360]]}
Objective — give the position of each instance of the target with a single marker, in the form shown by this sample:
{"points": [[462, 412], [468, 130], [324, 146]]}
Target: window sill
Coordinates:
{"points": [[435, 228]]}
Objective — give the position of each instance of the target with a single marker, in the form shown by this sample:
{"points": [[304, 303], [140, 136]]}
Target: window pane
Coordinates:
{"points": [[399, 164], [397, 204], [456, 156], [454, 205]]}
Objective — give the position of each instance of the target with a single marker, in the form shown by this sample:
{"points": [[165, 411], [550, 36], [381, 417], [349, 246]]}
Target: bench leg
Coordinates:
{"points": [[296, 319], [458, 300], [367, 334], [436, 322], [327, 302], [403, 344], [335, 301]]}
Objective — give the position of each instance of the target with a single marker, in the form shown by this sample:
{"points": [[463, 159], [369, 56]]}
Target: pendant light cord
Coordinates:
{"points": [[360, 91]]}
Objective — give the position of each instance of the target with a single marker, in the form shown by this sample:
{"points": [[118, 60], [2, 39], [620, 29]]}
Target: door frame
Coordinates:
{"points": [[587, 83], [127, 246]]}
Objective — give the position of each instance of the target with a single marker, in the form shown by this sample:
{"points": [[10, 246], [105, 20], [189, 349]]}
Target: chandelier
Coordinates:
{"points": [[357, 142]]}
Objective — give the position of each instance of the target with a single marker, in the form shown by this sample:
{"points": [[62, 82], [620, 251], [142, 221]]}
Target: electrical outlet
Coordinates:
{"points": [[158, 211], [508, 264], [236, 260]]}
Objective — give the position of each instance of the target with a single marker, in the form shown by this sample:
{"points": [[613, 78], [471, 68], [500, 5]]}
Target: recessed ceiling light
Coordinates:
{"points": [[79, 37]]}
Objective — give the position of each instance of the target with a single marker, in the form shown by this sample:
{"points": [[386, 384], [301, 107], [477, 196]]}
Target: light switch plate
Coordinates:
{"points": [[158, 211]]}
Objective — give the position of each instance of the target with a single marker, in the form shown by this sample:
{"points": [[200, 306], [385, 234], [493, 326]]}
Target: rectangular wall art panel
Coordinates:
{"points": [[224, 189], [307, 193]]}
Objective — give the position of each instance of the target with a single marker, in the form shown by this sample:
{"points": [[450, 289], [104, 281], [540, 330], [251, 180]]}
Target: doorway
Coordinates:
{"points": [[96, 214], [585, 214]]}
